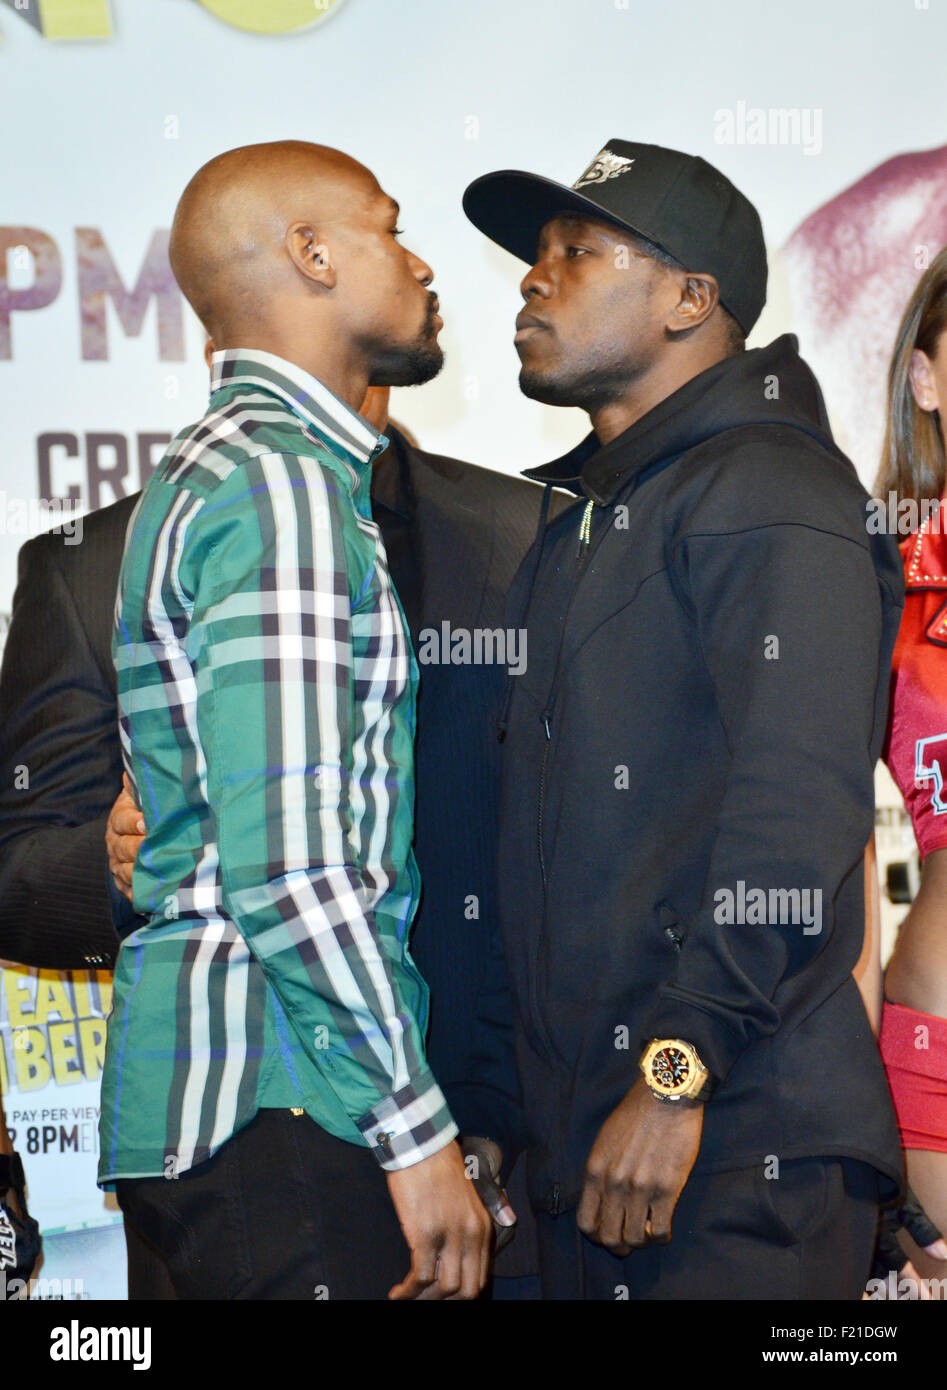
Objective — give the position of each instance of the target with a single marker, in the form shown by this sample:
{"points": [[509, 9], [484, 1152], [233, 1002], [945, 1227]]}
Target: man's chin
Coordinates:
{"points": [[546, 389], [409, 368]]}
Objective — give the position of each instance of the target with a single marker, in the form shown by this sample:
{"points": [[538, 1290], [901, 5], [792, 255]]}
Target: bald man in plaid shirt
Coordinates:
{"points": [[269, 1120]]}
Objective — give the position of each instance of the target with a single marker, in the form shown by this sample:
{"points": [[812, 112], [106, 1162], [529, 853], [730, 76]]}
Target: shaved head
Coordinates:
{"points": [[230, 224], [291, 247]]}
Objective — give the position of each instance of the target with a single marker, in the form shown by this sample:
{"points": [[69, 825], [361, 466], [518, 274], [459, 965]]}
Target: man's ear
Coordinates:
{"points": [[309, 255], [700, 295]]}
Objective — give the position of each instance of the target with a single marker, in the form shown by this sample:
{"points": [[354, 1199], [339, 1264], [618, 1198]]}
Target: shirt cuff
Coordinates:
{"points": [[409, 1125]]}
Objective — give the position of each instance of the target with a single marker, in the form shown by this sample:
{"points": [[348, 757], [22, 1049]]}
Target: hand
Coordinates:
{"points": [[890, 1255], [446, 1226], [124, 833], [637, 1169], [483, 1159]]}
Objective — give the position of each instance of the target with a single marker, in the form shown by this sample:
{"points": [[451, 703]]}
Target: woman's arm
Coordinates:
{"points": [[917, 972], [867, 970]]}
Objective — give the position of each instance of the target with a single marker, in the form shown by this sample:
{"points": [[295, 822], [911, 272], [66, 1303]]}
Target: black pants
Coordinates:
{"points": [[283, 1210], [148, 1277], [808, 1234]]}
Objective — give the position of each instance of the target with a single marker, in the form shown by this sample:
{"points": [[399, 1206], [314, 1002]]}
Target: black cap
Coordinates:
{"points": [[676, 200]]}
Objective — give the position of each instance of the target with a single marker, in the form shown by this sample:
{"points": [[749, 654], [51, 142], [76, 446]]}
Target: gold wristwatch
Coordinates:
{"points": [[673, 1071]]}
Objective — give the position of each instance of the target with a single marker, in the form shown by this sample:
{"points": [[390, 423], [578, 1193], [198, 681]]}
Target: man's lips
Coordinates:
{"points": [[526, 325]]}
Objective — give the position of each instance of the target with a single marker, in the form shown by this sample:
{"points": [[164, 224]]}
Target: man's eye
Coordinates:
{"points": [[573, 251]]}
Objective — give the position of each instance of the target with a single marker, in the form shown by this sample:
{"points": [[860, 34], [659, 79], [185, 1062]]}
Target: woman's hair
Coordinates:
{"points": [[912, 458]]}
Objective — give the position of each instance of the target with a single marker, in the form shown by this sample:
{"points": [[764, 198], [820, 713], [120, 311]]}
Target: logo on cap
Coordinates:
{"points": [[604, 166]]}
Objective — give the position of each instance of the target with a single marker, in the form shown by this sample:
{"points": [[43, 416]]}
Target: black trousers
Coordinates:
{"points": [[808, 1234], [148, 1277], [283, 1210]]}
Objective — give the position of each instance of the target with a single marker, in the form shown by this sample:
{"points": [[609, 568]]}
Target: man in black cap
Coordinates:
{"points": [[688, 764]]}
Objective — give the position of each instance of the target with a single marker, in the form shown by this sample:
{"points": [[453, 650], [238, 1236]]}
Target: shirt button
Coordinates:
{"points": [[383, 1140]]}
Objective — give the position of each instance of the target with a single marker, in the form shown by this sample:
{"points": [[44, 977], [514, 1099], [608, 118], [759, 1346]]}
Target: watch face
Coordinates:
{"points": [[671, 1069]]}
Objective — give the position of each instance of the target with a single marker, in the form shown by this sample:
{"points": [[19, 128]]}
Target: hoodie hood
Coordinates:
{"points": [[765, 386]]}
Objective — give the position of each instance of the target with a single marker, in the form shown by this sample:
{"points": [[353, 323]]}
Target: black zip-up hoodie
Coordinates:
{"points": [[703, 705]]}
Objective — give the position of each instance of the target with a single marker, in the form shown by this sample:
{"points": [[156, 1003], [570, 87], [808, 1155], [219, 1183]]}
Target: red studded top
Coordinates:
{"points": [[916, 744]]}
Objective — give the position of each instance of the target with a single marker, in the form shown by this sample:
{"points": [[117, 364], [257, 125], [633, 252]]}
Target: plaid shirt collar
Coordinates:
{"points": [[321, 410]]}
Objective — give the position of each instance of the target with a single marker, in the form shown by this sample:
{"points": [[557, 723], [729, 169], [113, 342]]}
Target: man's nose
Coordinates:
{"points": [[537, 281], [421, 270]]}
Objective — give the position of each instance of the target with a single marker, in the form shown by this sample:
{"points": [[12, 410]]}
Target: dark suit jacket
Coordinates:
{"points": [[58, 719]]}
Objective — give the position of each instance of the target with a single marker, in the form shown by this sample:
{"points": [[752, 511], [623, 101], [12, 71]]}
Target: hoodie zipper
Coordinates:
{"points": [[581, 557], [582, 551]]}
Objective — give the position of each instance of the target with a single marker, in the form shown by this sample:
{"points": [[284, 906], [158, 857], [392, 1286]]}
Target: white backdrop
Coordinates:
{"points": [[101, 135]]}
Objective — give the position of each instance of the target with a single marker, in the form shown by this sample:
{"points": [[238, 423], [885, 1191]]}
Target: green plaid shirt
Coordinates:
{"points": [[266, 691]]}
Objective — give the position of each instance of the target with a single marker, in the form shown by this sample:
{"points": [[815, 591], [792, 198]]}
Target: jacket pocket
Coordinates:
{"points": [[804, 1197]]}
